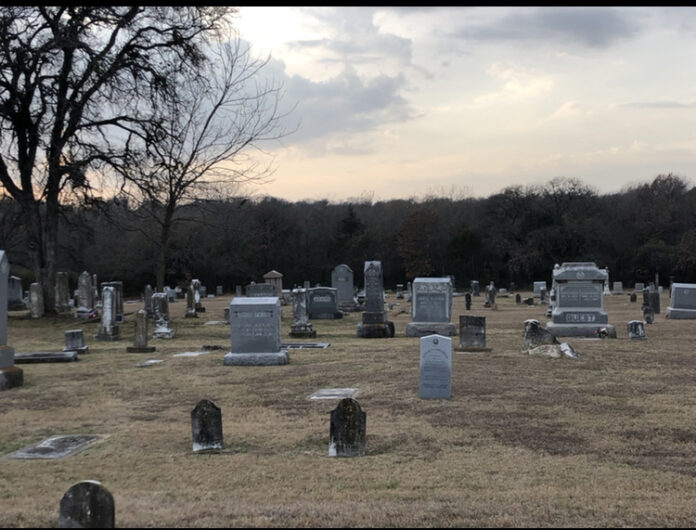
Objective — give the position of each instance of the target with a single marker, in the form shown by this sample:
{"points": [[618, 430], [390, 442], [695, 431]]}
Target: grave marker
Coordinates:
{"points": [[108, 329], [255, 332], [74, 341], [160, 315], [206, 426], [322, 303], [86, 504], [472, 334], [36, 300], [682, 301], [140, 334], [10, 375], [431, 308], [435, 374], [301, 327], [342, 281], [374, 323], [347, 429]]}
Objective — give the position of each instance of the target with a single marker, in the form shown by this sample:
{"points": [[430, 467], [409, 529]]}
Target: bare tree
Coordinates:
{"points": [[75, 81], [199, 146]]}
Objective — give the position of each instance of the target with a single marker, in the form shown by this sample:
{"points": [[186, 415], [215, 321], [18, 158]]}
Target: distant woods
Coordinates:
{"points": [[516, 235]]}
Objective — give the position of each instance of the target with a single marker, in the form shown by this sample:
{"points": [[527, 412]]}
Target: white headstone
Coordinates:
{"points": [[435, 376]]}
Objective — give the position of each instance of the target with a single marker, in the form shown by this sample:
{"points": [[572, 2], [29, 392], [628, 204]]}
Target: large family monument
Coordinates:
{"points": [[374, 322], [431, 308], [682, 301]]}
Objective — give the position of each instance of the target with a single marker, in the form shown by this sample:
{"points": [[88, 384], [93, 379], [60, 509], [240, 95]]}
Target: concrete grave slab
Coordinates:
{"points": [[149, 362], [55, 447], [304, 345], [334, 393]]}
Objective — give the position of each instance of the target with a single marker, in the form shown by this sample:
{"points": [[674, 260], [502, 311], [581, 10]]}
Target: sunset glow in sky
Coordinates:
{"points": [[399, 102]]}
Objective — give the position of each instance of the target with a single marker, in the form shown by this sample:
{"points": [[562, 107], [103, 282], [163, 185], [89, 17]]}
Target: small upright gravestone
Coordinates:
{"points": [[374, 323], [435, 374], [108, 329], [535, 335], [342, 280], [140, 336], [160, 316], [322, 303], [15, 300], [682, 301], [190, 303], [10, 375], [36, 300], [648, 314], [347, 429], [636, 330], [198, 293], [86, 504], [119, 316], [206, 426], [475, 289], [62, 292], [85, 296], [255, 332], [467, 301], [218, 290], [518, 299], [632, 297], [147, 299], [536, 288], [618, 288], [301, 327], [74, 341], [472, 334], [260, 290]]}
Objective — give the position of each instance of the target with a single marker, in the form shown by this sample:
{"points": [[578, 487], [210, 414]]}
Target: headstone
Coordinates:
{"points": [[198, 293], [85, 296], [542, 295], [15, 300], [535, 335], [95, 291], [238, 290], [399, 291], [255, 332], [276, 280], [333, 393], [160, 316], [431, 308], [74, 341], [301, 327], [218, 290], [633, 297], [537, 286], [36, 300], [119, 317], [475, 290], [190, 303], [322, 303], [342, 281], [140, 334], [347, 429], [636, 330], [654, 297], [518, 299], [638, 287], [263, 290], [171, 294], [206, 426], [618, 288], [578, 309], [306, 284], [682, 303], [62, 292], [147, 297], [467, 301], [512, 287], [648, 314], [435, 374], [472, 333], [108, 329], [86, 504], [374, 323], [10, 375]]}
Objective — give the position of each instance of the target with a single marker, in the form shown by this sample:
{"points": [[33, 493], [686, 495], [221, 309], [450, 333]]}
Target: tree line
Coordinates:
{"points": [[516, 235]]}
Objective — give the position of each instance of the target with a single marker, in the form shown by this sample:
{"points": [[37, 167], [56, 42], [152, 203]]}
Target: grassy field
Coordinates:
{"points": [[605, 440]]}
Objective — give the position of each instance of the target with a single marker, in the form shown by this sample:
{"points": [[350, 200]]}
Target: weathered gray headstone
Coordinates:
{"points": [[535, 335], [635, 329], [140, 334], [119, 317], [648, 314], [108, 329], [46, 357], [333, 393], [632, 297], [74, 341], [15, 300], [322, 303], [62, 292], [467, 301], [147, 298], [54, 447], [472, 333], [682, 303], [638, 287], [475, 289], [518, 299], [255, 332], [206, 426], [190, 303], [578, 309], [435, 374], [10, 375], [198, 293], [160, 316], [238, 290], [275, 278], [342, 281], [301, 327], [618, 288], [655, 301], [536, 288], [263, 290], [431, 308], [399, 291], [36, 300], [374, 322], [85, 295], [218, 290], [87, 504], [347, 429]]}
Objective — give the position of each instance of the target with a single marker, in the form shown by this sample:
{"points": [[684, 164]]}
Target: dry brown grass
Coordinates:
{"points": [[607, 440]]}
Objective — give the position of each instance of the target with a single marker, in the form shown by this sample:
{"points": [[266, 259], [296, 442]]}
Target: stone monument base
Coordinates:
{"points": [[140, 349], [11, 377], [325, 316], [376, 331], [472, 349], [579, 330], [302, 331], [100, 336], [190, 315], [46, 357], [200, 309], [255, 359], [423, 329], [684, 314], [80, 349], [163, 334]]}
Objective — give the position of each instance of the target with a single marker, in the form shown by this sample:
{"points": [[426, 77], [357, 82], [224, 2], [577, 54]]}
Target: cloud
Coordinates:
{"points": [[658, 105], [569, 109], [595, 27], [518, 83]]}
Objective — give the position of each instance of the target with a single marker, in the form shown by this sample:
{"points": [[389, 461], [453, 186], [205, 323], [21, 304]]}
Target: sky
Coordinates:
{"points": [[404, 102]]}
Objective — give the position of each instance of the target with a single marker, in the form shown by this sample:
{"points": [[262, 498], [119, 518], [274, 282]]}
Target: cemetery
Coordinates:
{"points": [[414, 432]]}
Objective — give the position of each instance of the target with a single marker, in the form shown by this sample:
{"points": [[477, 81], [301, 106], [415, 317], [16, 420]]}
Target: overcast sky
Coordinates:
{"points": [[399, 102]]}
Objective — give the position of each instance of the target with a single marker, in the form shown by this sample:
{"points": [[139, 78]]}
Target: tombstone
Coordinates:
{"points": [[238, 290], [218, 290], [62, 292], [435, 370], [682, 303], [140, 334], [206, 426], [301, 328], [536, 289], [15, 300], [147, 298], [512, 287], [475, 288], [86, 504], [632, 297], [36, 300], [399, 291], [198, 293], [542, 295], [492, 295], [648, 314], [535, 335], [255, 332], [95, 291], [374, 323], [190, 303], [108, 329], [169, 293], [307, 284], [322, 303], [467, 301], [529, 301], [119, 317], [578, 309], [431, 308], [654, 297], [74, 341], [262, 290], [618, 288], [203, 290], [518, 299], [409, 291], [639, 287], [636, 330], [347, 429], [10, 375], [472, 333], [160, 316], [276, 280]]}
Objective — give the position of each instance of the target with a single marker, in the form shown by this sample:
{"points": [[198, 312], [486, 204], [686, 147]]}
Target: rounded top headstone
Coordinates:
{"points": [[86, 504]]}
